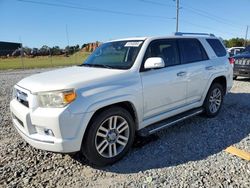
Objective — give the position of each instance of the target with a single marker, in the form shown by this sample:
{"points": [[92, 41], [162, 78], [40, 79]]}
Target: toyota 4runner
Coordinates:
{"points": [[125, 87]]}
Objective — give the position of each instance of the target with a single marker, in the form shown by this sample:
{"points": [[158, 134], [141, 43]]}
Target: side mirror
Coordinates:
{"points": [[154, 63]]}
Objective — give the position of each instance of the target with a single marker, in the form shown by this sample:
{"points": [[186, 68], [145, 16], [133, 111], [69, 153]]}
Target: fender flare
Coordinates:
{"points": [[212, 78]]}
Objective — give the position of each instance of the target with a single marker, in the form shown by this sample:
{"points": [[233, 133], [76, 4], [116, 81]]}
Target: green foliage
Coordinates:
{"points": [[27, 50], [83, 46], [56, 50], [71, 49], [235, 42]]}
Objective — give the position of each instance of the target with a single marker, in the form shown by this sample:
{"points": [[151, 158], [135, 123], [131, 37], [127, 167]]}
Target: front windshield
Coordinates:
{"points": [[116, 55]]}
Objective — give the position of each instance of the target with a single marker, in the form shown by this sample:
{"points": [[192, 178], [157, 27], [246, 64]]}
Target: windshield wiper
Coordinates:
{"points": [[97, 65]]}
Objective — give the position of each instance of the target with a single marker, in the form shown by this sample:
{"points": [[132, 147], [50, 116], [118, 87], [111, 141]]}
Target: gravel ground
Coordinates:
{"points": [[190, 154]]}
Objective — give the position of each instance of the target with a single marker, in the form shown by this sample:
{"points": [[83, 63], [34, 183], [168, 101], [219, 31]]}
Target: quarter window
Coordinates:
{"points": [[217, 47], [191, 50]]}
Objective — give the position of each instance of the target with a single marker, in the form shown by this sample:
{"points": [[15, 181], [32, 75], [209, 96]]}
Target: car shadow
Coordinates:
{"points": [[191, 140]]}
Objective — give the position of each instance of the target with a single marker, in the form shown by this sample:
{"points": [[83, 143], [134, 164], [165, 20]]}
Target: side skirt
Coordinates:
{"points": [[151, 129]]}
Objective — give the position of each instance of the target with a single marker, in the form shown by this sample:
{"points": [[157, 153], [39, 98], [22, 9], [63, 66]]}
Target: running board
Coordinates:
{"points": [[151, 129]]}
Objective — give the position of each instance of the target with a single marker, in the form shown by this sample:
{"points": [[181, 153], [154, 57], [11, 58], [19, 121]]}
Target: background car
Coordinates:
{"points": [[242, 63], [235, 50]]}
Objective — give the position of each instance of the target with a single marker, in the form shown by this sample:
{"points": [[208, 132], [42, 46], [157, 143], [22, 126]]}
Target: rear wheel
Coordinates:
{"points": [[109, 136], [214, 99]]}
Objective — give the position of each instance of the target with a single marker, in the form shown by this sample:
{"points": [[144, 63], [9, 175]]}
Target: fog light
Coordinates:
{"points": [[48, 132]]}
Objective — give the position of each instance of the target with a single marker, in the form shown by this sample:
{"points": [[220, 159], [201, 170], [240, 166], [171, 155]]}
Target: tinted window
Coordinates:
{"points": [[191, 51], [166, 49], [218, 48]]}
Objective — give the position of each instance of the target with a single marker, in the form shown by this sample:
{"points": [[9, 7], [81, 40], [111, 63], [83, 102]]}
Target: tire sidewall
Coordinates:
{"points": [[206, 104], [88, 146]]}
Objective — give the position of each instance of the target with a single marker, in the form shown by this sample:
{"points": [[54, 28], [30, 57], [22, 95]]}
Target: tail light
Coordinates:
{"points": [[231, 60]]}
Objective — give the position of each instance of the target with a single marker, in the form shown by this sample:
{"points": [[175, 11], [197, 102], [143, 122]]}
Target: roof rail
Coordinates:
{"points": [[204, 34]]}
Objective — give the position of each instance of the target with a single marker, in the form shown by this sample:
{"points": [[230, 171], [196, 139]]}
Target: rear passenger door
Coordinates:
{"points": [[195, 57]]}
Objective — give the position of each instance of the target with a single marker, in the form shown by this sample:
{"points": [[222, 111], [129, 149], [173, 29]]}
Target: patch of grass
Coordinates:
{"points": [[42, 61]]}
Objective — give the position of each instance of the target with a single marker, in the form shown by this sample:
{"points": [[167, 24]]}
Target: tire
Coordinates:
{"points": [[234, 77], [109, 136], [214, 100]]}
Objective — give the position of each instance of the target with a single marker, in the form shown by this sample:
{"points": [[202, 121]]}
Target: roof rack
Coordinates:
{"points": [[204, 34]]}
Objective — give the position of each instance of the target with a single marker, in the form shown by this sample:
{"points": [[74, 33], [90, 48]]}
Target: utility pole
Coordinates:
{"points": [[177, 15], [67, 33], [21, 51], [245, 42]]}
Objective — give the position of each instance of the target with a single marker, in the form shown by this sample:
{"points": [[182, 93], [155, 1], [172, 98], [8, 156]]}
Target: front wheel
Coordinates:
{"points": [[109, 136], [214, 99]]}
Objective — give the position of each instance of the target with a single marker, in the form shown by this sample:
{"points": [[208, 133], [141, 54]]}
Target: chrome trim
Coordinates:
{"points": [[176, 121], [23, 88], [54, 91], [21, 95]]}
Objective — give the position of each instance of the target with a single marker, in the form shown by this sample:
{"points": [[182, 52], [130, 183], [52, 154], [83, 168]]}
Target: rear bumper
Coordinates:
{"points": [[31, 125]]}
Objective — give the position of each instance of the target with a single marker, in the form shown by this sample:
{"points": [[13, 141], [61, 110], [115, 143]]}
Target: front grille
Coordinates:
{"points": [[243, 73], [242, 61], [22, 97]]}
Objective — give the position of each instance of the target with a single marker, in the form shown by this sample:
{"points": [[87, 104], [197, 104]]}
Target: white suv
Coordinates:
{"points": [[127, 86]]}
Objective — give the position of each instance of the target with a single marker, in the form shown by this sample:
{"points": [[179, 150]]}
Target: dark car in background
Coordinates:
{"points": [[242, 64]]}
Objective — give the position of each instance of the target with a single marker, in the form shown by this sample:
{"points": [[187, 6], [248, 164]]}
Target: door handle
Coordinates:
{"points": [[210, 68], [181, 73]]}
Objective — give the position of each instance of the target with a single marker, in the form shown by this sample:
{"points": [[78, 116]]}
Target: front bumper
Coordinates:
{"points": [[31, 124], [243, 71]]}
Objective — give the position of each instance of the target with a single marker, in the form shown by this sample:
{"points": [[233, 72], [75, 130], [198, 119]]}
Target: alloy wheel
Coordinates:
{"points": [[112, 136], [215, 100]]}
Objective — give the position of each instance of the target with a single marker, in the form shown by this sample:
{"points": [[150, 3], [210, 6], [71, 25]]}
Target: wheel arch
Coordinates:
{"points": [[221, 80], [128, 105], [214, 110]]}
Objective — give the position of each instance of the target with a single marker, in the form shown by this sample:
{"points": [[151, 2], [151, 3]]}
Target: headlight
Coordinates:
{"points": [[56, 99]]}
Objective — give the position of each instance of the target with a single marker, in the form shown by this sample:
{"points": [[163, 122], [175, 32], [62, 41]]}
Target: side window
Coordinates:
{"points": [[217, 47], [191, 51], [166, 49]]}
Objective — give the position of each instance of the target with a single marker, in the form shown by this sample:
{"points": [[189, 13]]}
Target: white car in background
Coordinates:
{"points": [[235, 50], [127, 86]]}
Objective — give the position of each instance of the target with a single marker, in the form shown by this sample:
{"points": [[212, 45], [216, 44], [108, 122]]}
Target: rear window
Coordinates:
{"points": [[191, 51], [218, 48]]}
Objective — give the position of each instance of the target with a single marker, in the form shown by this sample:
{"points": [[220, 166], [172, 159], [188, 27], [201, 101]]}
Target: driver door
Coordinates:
{"points": [[163, 89]]}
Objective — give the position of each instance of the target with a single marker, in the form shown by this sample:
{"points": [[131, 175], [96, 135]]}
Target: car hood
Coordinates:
{"points": [[242, 55], [65, 78]]}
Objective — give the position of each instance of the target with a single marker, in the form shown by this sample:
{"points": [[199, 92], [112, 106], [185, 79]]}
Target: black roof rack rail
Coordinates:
{"points": [[203, 34]]}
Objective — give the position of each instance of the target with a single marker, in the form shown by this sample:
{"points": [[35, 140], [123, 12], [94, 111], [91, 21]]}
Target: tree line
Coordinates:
{"points": [[46, 51], [239, 42]]}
